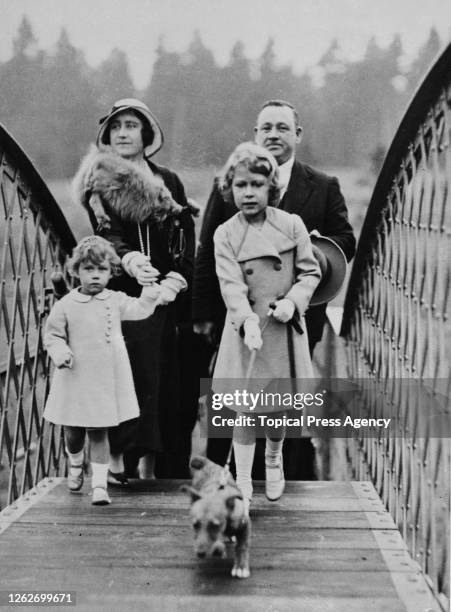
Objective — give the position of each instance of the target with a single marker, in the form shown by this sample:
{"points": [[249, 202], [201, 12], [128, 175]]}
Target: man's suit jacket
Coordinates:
{"points": [[312, 195]]}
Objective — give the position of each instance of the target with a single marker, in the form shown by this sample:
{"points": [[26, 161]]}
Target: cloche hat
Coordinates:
{"points": [[144, 112]]}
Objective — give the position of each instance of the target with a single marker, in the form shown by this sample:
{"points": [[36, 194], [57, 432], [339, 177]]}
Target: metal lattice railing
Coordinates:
{"points": [[34, 242], [397, 326]]}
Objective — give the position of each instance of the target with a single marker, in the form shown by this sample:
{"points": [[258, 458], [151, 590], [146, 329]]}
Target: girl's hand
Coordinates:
{"points": [[171, 285], [152, 291], [64, 360], [284, 310], [252, 334]]}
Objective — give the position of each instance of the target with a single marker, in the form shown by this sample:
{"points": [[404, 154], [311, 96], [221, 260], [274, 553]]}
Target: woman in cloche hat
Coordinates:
{"points": [[142, 209]]}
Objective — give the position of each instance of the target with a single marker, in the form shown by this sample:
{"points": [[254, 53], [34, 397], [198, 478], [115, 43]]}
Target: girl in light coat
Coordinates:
{"points": [[267, 274], [92, 388]]}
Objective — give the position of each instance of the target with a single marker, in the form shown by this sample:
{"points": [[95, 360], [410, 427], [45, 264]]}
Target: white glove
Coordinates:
{"points": [[252, 334], [171, 285], [284, 310], [151, 291], [64, 358], [167, 296], [139, 266], [147, 275]]}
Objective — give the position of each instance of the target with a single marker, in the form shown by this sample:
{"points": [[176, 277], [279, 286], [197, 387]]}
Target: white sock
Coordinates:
{"points": [[99, 475], [116, 463], [76, 461], [244, 458], [273, 452]]}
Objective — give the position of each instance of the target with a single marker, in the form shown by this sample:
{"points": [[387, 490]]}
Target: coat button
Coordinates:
{"points": [[249, 271], [278, 266]]}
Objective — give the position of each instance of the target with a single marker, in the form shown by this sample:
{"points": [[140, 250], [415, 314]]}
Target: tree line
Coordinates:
{"points": [[51, 100]]}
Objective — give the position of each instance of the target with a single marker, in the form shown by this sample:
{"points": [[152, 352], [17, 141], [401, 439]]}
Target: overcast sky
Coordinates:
{"points": [[302, 29]]}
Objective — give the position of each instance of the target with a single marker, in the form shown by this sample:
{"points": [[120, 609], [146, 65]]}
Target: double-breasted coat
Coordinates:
{"points": [[98, 390], [315, 197], [255, 267]]}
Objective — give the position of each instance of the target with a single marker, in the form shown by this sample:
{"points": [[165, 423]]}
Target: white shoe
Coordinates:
{"points": [[100, 497], [275, 481]]}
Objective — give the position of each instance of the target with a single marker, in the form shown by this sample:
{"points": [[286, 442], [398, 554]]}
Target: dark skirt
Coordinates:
{"points": [[152, 349]]}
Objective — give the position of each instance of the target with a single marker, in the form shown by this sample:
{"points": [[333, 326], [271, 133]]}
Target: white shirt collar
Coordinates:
{"points": [[285, 174]]}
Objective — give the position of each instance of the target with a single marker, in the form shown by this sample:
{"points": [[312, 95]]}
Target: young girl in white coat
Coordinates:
{"points": [[92, 387], [267, 274]]}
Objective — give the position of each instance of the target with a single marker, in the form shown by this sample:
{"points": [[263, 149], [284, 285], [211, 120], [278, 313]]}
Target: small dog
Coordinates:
{"points": [[218, 512]]}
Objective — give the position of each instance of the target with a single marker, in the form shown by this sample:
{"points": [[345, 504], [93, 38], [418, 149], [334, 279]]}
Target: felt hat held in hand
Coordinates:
{"points": [[332, 262]]}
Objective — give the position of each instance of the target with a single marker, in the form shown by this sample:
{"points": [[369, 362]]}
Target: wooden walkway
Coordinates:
{"points": [[326, 546]]}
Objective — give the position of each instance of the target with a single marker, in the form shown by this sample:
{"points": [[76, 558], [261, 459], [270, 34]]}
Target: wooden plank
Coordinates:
{"points": [[200, 577], [162, 553], [290, 522], [156, 535], [311, 487], [296, 503], [226, 603]]}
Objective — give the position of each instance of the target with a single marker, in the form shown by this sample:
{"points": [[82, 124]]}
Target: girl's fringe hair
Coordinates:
{"points": [[96, 250], [256, 159]]}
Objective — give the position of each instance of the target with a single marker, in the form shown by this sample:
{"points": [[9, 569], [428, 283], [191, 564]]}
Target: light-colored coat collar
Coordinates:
{"points": [[81, 297], [270, 240]]}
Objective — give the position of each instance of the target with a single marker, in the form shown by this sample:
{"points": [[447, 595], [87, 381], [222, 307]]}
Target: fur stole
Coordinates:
{"points": [[132, 193]]}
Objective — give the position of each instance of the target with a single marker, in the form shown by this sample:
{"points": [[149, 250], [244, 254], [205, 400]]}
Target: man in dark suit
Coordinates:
{"points": [[312, 195]]}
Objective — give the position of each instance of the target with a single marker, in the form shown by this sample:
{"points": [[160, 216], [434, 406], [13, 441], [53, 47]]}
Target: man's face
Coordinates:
{"points": [[126, 135], [276, 130]]}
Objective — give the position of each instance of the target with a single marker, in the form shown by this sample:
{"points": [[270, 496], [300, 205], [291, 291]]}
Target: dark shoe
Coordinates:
{"points": [[118, 479]]}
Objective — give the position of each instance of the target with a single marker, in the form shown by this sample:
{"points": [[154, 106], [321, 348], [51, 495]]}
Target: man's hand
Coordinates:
{"points": [[252, 334], [206, 329], [284, 310]]}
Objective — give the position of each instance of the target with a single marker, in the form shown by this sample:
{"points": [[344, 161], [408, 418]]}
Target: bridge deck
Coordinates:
{"points": [[324, 546]]}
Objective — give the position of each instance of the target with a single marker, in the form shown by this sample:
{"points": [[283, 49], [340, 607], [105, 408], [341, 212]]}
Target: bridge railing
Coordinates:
{"points": [[397, 328], [34, 242]]}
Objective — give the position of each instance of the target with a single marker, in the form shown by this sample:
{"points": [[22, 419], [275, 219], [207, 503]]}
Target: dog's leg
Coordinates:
{"points": [[241, 566]]}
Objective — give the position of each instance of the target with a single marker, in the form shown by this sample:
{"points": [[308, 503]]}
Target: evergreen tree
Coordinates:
{"points": [[166, 98], [201, 111], [421, 65], [71, 111], [20, 78], [234, 111], [112, 79]]}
